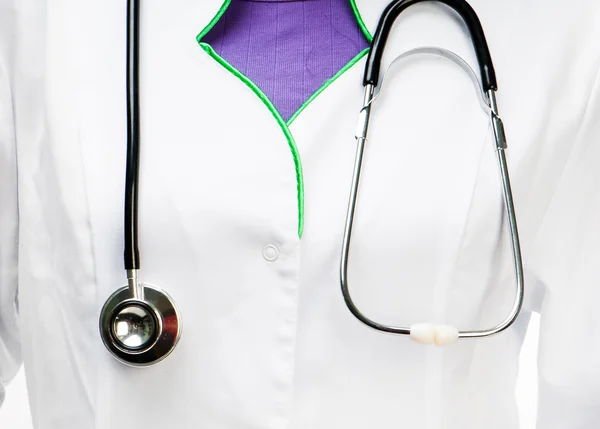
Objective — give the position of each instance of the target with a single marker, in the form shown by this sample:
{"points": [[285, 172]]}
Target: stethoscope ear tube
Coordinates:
{"points": [[386, 22], [432, 333]]}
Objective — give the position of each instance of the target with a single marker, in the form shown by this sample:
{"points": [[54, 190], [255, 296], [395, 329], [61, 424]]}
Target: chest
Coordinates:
{"points": [[214, 147]]}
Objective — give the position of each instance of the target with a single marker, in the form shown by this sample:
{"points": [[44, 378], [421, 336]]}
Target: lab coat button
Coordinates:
{"points": [[270, 253]]}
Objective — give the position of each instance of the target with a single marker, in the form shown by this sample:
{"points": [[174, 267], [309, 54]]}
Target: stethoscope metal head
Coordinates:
{"points": [[140, 332], [140, 324]]}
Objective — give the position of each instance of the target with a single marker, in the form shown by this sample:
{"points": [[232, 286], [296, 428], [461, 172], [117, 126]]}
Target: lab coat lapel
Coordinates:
{"points": [[370, 11], [186, 97], [204, 133]]}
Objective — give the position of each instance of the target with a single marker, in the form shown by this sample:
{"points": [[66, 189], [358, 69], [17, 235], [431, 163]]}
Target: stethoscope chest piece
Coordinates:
{"points": [[140, 332]]}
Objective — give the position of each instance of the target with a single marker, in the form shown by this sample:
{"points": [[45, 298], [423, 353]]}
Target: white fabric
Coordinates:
{"points": [[270, 344], [10, 352]]}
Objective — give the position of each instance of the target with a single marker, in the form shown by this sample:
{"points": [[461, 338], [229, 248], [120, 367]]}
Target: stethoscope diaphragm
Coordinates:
{"points": [[140, 332]]}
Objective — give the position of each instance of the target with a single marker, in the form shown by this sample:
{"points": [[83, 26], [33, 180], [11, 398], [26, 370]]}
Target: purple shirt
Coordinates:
{"points": [[288, 48]]}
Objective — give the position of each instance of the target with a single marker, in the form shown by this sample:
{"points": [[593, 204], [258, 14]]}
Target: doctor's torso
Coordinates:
{"points": [[242, 215]]}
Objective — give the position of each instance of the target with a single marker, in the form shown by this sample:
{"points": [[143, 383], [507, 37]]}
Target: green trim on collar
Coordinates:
{"points": [[361, 23], [269, 104], [213, 21], [286, 131], [329, 81]]}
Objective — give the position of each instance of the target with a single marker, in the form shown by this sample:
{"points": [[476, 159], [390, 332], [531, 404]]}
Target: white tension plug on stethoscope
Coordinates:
{"points": [[141, 325]]}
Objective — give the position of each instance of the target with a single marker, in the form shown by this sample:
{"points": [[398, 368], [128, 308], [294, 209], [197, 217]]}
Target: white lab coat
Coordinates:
{"points": [[270, 344]]}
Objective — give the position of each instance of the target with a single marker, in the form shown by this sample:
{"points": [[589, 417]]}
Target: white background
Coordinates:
{"points": [[14, 414]]}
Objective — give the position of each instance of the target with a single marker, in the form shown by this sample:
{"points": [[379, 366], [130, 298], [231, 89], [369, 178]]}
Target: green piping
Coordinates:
{"points": [[329, 81], [361, 23], [286, 131], [269, 104], [213, 21]]}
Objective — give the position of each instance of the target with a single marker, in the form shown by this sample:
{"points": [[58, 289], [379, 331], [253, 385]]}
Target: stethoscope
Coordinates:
{"points": [[430, 333], [140, 324]]}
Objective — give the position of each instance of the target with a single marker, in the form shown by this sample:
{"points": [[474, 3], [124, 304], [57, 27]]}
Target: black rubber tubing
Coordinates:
{"points": [[391, 13], [132, 253]]}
